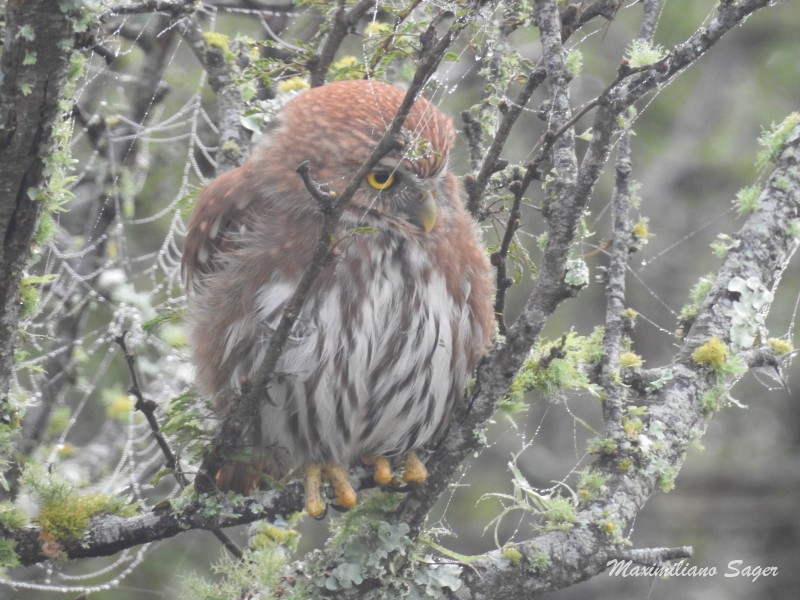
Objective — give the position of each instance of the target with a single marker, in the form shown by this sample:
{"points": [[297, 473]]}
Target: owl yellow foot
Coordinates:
{"points": [[343, 493], [414, 471], [382, 474], [315, 506], [344, 496]]}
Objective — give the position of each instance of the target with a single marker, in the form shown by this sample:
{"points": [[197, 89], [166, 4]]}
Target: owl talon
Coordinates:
{"points": [[344, 494], [414, 471], [315, 505], [382, 473]]}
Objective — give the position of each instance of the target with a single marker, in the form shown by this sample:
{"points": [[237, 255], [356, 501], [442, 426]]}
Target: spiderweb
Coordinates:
{"points": [[144, 135]]}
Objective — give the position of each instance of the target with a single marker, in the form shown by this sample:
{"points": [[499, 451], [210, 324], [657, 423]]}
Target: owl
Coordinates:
{"points": [[392, 327]]}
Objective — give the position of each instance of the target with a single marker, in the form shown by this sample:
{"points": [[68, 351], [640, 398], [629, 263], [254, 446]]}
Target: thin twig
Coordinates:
{"points": [[148, 409], [343, 21], [500, 258]]}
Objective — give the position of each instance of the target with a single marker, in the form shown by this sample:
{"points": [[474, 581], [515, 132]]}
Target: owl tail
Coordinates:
{"points": [[241, 477]]}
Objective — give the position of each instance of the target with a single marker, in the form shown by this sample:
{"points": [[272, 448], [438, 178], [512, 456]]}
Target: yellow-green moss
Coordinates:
{"points": [[377, 28], [292, 84], [713, 353], [68, 515], [641, 230], [779, 346], [217, 40], [511, 554], [630, 360]]}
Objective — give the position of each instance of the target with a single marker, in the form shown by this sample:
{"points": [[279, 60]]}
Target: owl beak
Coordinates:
{"points": [[425, 214]]}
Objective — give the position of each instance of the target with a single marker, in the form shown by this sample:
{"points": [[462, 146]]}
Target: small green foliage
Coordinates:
{"points": [[63, 513], [632, 426], [712, 400], [723, 244], [773, 140], [46, 229], [574, 62], [8, 554], [591, 484], [168, 315], [625, 464], [601, 445], [187, 420], [261, 568], [713, 353], [630, 360], [779, 346], [641, 53], [11, 517], [747, 200], [511, 554], [539, 561], [30, 58], [555, 512], [29, 293], [558, 366], [666, 477], [697, 295]]}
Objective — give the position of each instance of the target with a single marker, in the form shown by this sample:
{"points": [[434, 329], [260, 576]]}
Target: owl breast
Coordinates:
{"points": [[375, 362]]}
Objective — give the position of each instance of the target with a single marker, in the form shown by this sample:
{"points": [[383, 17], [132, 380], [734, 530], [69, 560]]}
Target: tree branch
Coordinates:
{"points": [[29, 107]]}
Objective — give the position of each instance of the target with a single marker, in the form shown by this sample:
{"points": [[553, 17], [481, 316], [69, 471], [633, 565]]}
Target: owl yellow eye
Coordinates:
{"points": [[380, 180]]}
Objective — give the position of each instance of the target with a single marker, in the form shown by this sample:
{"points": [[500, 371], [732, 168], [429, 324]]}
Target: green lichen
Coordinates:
{"points": [[747, 313], [577, 273], [713, 353]]}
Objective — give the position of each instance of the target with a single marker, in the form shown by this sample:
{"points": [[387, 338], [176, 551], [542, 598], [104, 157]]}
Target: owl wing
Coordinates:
{"points": [[221, 208]]}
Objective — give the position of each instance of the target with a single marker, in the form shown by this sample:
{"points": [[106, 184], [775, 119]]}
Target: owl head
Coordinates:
{"points": [[336, 127]]}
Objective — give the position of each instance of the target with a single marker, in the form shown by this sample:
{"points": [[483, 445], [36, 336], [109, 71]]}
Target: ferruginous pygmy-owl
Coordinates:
{"points": [[391, 328]]}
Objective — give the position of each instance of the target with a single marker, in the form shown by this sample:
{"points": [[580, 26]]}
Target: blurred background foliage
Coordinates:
{"points": [[694, 148]]}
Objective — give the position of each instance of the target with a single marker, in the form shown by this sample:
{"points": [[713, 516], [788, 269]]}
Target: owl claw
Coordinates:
{"points": [[344, 496], [382, 474], [414, 471], [315, 506], [343, 493]]}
